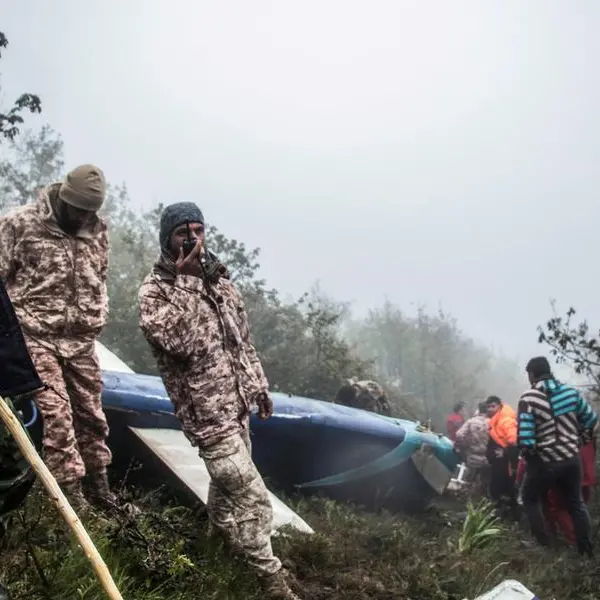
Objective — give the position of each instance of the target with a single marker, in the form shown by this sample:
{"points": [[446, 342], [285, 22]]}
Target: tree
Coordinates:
{"points": [[326, 358], [241, 262], [573, 344], [308, 347], [133, 250], [35, 160], [300, 343], [10, 119], [428, 363]]}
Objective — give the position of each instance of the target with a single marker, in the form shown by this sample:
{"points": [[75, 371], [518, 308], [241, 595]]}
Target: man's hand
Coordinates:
{"points": [[190, 264], [265, 405]]}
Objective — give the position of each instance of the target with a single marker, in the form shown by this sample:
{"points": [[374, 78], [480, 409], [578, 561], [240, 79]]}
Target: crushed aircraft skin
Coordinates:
{"points": [[174, 450], [509, 589]]}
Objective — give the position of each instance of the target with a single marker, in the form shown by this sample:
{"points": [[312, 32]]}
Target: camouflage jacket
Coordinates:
{"points": [[472, 441], [56, 282], [200, 337]]}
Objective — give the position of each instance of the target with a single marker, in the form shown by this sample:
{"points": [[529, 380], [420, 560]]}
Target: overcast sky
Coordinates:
{"points": [[438, 152]]}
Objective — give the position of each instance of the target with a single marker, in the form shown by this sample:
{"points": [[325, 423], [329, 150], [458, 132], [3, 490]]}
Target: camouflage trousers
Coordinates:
{"points": [[238, 501], [75, 427]]}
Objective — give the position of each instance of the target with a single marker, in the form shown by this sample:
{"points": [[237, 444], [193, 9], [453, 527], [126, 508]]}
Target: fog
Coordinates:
{"points": [[435, 152]]}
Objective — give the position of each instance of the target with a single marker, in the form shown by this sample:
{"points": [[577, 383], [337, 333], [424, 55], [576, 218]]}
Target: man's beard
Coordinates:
{"points": [[68, 225]]}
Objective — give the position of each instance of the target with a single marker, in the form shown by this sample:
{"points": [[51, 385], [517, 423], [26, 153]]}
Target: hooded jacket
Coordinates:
{"points": [[199, 335], [56, 282]]}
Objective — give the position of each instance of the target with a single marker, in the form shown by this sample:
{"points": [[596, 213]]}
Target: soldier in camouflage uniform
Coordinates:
{"points": [[54, 262], [367, 395], [194, 319]]}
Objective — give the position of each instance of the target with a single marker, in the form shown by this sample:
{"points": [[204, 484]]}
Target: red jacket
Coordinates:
{"points": [[453, 423], [587, 454]]}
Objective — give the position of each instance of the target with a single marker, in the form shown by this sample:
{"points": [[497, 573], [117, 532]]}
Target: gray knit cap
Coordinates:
{"points": [[175, 215]]}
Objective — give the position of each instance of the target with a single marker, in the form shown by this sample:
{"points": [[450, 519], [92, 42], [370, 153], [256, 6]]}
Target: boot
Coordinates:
{"points": [[99, 492], [72, 490], [583, 549], [215, 534], [100, 495], [275, 586]]}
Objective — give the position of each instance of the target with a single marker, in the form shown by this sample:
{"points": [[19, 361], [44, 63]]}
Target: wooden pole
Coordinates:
{"points": [[57, 496]]}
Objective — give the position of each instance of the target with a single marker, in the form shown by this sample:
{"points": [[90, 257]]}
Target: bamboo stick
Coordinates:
{"points": [[57, 496]]}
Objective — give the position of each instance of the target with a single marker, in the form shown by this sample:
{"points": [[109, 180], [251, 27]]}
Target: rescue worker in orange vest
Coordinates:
{"points": [[503, 456]]}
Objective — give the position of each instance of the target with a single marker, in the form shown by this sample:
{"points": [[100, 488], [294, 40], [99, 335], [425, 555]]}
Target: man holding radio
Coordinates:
{"points": [[194, 319]]}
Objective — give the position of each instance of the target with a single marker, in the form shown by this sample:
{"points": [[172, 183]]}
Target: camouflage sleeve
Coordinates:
{"points": [[7, 249], [463, 436], [169, 316], [104, 276], [249, 346]]}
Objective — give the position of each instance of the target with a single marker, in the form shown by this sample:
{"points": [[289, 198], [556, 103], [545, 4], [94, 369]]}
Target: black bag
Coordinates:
{"points": [[18, 375], [18, 378]]}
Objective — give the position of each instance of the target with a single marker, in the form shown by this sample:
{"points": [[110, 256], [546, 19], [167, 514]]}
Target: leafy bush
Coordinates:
{"points": [[480, 528]]}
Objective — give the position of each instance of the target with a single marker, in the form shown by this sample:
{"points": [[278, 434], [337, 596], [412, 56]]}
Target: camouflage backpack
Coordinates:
{"points": [[370, 396], [367, 395]]}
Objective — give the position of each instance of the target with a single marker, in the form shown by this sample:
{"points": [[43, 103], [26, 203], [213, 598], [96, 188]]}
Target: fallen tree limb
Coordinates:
{"points": [[59, 499]]}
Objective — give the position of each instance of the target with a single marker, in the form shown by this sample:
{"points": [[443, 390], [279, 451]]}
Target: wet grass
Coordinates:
{"points": [[165, 554]]}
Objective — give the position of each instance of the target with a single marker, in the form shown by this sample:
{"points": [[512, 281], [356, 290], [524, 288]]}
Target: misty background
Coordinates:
{"points": [[421, 152]]}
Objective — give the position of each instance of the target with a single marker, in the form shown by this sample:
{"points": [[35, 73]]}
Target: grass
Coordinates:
{"points": [[480, 527], [165, 554]]}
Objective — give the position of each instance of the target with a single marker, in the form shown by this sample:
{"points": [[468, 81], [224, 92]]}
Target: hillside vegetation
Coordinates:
{"points": [[308, 347], [166, 555]]}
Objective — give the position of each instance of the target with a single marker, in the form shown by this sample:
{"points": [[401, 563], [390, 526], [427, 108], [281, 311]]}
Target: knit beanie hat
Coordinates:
{"points": [[84, 187], [175, 215]]}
